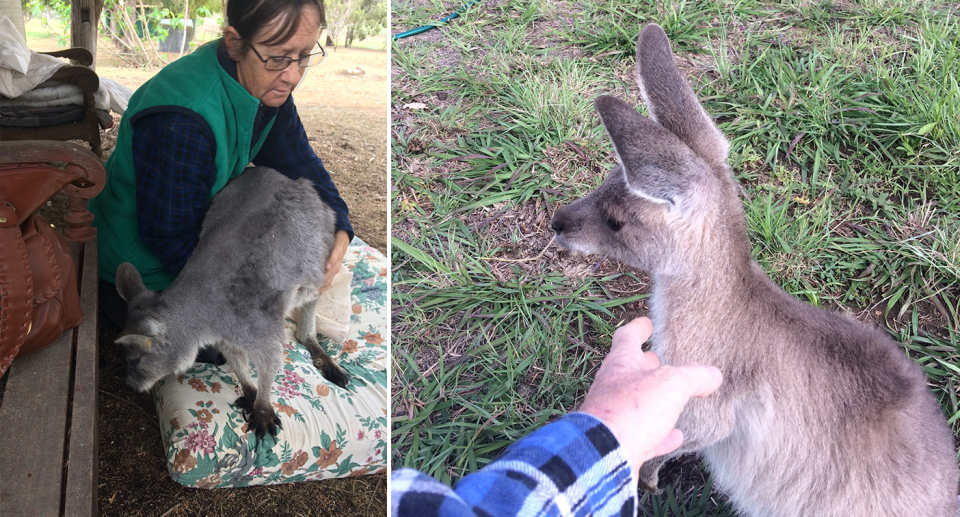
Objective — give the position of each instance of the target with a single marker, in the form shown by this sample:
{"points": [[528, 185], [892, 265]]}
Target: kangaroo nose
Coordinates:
{"points": [[558, 221]]}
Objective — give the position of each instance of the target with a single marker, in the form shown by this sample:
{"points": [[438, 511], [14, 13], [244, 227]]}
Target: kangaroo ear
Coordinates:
{"points": [[653, 159], [129, 283], [670, 100]]}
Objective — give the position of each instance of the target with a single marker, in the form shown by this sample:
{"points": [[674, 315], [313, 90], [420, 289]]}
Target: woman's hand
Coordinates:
{"points": [[342, 240]]}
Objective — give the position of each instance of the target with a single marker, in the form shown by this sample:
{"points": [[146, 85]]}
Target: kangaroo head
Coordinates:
{"points": [[671, 201], [144, 338]]}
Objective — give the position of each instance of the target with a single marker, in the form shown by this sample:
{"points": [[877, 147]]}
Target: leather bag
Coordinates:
{"points": [[39, 296]]}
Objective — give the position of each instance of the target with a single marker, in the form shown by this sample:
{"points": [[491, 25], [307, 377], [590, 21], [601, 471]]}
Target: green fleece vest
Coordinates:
{"points": [[195, 83]]}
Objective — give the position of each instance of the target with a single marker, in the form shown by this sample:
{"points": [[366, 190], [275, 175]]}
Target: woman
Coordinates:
{"points": [[198, 123]]}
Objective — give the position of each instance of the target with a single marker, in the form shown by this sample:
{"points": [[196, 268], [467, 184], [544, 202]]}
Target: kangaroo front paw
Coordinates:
{"points": [[332, 372], [650, 478]]}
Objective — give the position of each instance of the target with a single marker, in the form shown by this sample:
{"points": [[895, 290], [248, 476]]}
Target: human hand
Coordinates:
{"points": [[640, 400], [341, 242]]}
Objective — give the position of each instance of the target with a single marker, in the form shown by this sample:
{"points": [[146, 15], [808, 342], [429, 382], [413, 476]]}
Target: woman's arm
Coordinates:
{"points": [[573, 466], [287, 150], [175, 171]]}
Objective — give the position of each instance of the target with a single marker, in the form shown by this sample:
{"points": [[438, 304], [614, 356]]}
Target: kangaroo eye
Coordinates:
{"points": [[613, 224]]}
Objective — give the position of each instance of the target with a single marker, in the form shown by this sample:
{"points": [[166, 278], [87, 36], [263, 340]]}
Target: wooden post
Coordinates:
{"points": [[78, 221], [84, 21]]}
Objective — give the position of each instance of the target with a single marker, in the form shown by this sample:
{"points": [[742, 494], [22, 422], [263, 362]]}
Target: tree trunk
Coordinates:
{"points": [[84, 20], [114, 31], [186, 16], [13, 10], [129, 31]]}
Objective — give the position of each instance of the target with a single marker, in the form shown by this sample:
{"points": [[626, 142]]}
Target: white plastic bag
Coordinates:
{"points": [[115, 94], [20, 69], [14, 53]]}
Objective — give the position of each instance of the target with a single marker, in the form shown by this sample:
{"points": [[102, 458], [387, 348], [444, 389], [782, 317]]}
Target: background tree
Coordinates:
{"points": [[338, 17], [367, 20], [136, 29]]}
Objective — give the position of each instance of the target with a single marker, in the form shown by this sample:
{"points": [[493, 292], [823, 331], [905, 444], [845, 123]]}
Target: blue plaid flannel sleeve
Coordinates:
{"points": [[175, 170], [287, 150], [573, 466]]}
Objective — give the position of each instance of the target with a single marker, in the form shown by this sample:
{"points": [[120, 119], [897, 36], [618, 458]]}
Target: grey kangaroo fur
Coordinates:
{"points": [[262, 251], [819, 415]]}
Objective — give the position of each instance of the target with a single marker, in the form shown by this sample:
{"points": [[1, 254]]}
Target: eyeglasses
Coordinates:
{"points": [[276, 63]]}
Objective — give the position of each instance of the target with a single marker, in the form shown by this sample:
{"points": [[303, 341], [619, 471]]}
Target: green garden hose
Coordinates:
{"points": [[425, 28]]}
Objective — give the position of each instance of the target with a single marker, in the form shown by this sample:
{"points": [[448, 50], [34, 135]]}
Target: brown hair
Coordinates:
{"points": [[248, 17]]}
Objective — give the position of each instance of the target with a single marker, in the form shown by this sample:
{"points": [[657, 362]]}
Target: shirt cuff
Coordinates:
{"points": [[575, 465], [414, 494], [343, 224]]}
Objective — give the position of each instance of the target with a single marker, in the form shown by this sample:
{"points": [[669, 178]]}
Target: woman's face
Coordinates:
{"points": [[273, 87]]}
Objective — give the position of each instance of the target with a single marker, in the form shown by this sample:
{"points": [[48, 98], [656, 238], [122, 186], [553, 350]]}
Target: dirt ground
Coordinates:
{"points": [[343, 104]]}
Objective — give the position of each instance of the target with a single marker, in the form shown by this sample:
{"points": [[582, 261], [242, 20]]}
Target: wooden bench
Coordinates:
{"points": [[48, 416]]}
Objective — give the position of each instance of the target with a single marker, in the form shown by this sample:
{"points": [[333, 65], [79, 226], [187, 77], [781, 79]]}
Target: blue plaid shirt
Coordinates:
{"points": [[175, 171], [573, 466]]}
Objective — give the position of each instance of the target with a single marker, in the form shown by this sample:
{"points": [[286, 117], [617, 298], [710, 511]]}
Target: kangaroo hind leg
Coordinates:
{"points": [[307, 334]]}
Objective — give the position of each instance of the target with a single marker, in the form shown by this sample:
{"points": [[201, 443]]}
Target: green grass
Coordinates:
{"points": [[611, 28], [844, 123]]}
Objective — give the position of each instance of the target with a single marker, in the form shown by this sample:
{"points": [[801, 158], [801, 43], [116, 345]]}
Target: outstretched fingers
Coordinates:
{"points": [[626, 348], [694, 380]]}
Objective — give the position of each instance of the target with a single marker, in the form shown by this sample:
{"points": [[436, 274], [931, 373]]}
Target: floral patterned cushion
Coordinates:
{"points": [[328, 431]]}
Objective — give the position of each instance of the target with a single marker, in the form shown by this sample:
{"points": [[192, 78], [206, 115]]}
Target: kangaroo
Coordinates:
{"points": [[818, 415], [262, 251]]}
